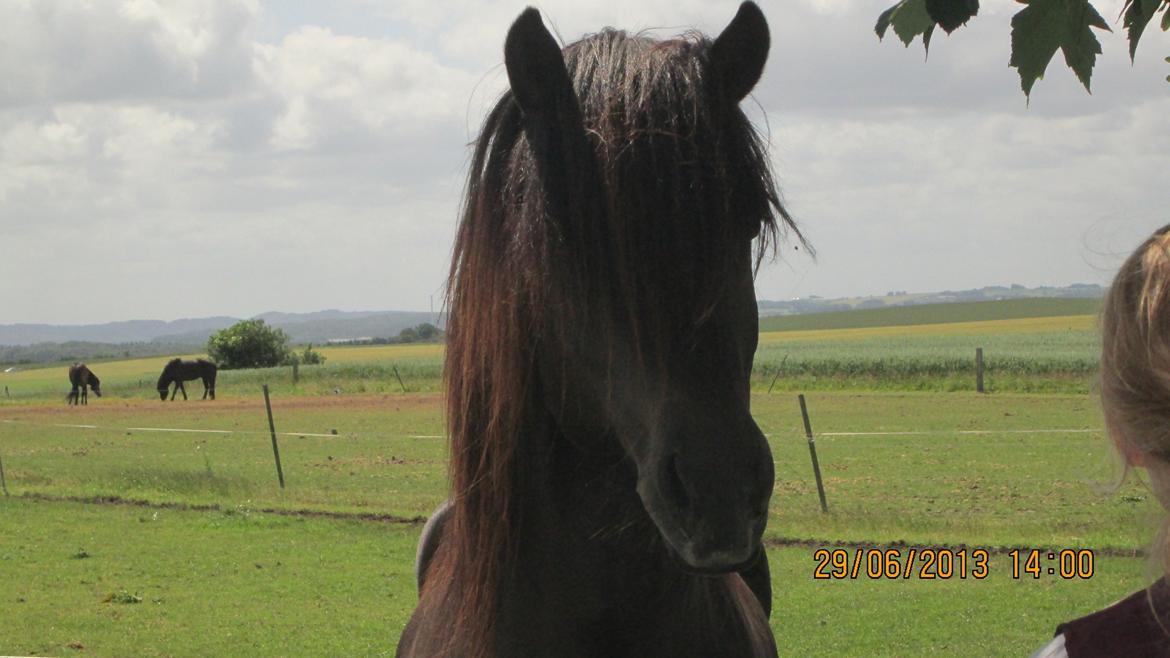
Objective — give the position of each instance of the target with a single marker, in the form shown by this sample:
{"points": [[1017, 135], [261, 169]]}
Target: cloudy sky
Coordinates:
{"points": [[185, 158]]}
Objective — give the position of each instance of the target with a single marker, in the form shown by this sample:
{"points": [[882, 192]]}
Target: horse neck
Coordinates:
{"points": [[591, 556], [585, 534]]}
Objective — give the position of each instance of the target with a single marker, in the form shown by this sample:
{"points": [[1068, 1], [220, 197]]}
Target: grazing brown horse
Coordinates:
{"points": [[609, 486], [177, 371], [81, 377]]}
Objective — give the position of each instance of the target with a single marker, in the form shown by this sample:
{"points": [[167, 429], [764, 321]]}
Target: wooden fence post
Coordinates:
{"points": [[779, 369], [296, 372], [272, 428], [399, 379], [3, 484], [979, 369], [812, 451]]}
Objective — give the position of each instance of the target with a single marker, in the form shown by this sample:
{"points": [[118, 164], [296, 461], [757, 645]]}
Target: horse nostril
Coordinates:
{"points": [[672, 483]]}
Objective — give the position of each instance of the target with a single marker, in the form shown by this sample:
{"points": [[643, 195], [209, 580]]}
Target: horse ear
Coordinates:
{"points": [[737, 57], [551, 117], [536, 67]]}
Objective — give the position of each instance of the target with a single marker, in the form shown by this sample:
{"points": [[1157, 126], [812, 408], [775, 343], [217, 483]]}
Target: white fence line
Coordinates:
{"points": [[208, 431], [962, 432], [944, 432]]}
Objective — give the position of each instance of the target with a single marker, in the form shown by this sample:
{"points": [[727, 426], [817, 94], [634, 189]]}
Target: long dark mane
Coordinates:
{"points": [[169, 373], [629, 235]]}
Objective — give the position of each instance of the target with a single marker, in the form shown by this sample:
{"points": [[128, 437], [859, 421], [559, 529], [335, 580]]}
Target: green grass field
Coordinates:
{"points": [[348, 370], [87, 580], [343, 585], [1009, 486], [125, 537]]}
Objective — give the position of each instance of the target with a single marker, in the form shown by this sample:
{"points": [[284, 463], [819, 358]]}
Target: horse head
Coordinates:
{"points": [[164, 380], [638, 187]]}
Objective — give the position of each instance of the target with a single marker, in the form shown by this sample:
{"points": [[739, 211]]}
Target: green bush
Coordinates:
{"points": [[307, 358], [249, 344]]}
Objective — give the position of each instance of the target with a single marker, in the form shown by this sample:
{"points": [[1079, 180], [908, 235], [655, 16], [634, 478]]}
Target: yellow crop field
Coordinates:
{"points": [[982, 327], [146, 368], [373, 353]]}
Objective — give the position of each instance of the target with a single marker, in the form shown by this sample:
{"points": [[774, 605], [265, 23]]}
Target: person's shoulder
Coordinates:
{"points": [[1136, 626], [1054, 649]]}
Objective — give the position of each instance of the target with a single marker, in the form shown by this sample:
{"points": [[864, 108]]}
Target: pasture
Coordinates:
{"points": [[123, 537], [1030, 354]]}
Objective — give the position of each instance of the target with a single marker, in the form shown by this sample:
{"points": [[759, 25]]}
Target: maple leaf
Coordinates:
{"points": [[951, 14], [1137, 15], [909, 19], [1044, 26]]}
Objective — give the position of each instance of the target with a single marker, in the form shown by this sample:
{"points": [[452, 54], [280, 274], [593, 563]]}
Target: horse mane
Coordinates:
{"points": [[633, 239], [164, 377]]}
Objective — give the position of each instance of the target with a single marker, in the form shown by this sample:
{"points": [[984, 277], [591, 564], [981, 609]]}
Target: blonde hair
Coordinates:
{"points": [[1135, 370], [1135, 354]]}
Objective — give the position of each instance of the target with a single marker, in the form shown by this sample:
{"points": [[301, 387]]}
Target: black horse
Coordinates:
{"points": [[178, 371], [81, 377], [609, 486]]}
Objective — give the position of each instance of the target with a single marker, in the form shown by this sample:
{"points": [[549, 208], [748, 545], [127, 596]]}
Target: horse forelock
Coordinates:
{"points": [[685, 179], [673, 181]]}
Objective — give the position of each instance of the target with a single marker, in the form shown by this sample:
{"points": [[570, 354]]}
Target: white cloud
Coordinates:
{"points": [[129, 50], [333, 86], [219, 156]]}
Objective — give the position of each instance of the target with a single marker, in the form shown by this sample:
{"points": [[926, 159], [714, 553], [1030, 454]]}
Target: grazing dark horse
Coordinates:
{"points": [[178, 371], [609, 486], [81, 377]]}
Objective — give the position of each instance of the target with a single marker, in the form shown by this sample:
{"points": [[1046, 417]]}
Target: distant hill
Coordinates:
{"points": [[814, 304], [316, 327], [322, 326], [132, 331], [31, 343], [1006, 309]]}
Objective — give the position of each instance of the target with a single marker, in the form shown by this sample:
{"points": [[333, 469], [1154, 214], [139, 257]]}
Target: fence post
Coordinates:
{"points": [[296, 372], [812, 451], [979, 369], [779, 369], [272, 428], [399, 379], [3, 484]]}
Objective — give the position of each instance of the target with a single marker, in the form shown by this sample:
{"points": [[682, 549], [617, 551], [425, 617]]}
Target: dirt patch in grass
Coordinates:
{"points": [[104, 409], [308, 513]]}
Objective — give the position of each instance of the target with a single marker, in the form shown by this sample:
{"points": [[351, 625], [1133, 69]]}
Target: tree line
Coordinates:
{"points": [[255, 344]]}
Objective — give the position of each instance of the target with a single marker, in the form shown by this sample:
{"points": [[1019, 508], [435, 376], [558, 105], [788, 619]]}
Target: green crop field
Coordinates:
{"points": [[138, 527], [1038, 354]]}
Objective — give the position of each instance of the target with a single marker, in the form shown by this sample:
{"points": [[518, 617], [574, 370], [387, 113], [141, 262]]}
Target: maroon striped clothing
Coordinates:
{"points": [[1137, 626]]}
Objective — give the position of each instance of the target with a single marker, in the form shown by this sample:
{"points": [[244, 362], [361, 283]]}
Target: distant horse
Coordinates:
{"points": [[609, 486], [178, 371], [81, 377]]}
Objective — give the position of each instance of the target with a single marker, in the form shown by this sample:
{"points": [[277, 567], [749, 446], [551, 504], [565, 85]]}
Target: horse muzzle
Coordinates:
{"points": [[711, 504]]}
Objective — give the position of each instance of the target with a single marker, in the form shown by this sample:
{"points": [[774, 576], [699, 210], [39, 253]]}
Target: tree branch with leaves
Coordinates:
{"points": [[1038, 30]]}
